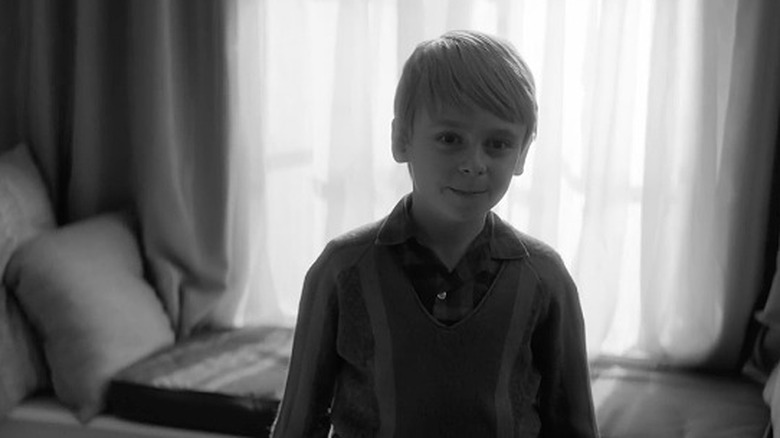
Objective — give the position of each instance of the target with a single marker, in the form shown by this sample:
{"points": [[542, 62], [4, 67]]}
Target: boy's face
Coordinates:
{"points": [[461, 161]]}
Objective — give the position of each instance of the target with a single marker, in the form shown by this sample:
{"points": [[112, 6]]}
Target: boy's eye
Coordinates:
{"points": [[500, 145], [448, 138]]}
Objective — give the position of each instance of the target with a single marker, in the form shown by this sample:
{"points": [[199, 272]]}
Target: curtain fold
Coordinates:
{"points": [[707, 179], [99, 144], [47, 66], [611, 103], [177, 121], [349, 189], [753, 107], [11, 79]]}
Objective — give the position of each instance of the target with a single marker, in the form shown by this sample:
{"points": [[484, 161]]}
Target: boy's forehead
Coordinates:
{"points": [[470, 116], [462, 112]]}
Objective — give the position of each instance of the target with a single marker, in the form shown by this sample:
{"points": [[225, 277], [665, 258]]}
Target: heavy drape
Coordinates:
{"points": [[247, 134], [128, 105], [711, 142]]}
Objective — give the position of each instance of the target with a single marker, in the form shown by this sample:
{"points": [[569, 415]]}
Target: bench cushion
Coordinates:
{"points": [[227, 381]]}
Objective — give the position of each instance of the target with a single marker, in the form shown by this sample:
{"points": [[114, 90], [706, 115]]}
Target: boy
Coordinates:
{"points": [[441, 320]]}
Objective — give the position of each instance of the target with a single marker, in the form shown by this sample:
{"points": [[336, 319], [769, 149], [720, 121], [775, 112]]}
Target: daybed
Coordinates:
{"points": [[86, 349]]}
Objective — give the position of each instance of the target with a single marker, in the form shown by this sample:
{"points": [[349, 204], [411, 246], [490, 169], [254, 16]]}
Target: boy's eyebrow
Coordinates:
{"points": [[451, 123], [506, 133]]}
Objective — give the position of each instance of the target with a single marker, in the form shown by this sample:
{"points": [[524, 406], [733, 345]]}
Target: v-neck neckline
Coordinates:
{"points": [[408, 292]]}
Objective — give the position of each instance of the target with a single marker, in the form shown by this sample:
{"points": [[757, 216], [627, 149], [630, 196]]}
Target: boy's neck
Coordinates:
{"points": [[448, 240]]}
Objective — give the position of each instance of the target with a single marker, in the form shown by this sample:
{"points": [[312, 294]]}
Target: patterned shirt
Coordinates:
{"points": [[447, 295]]}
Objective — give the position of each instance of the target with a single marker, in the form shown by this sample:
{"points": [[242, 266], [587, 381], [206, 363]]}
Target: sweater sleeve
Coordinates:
{"points": [[566, 403], [305, 406]]}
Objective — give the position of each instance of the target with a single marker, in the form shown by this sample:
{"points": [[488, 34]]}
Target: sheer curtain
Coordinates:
{"points": [[650, 172]]}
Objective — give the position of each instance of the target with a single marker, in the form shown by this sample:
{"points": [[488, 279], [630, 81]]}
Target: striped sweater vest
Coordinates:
{"points": [[432, 380]]}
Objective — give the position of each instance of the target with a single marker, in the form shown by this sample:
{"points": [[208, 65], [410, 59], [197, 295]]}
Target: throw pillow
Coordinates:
{"points": [[25, 212], [22, 368], [25, 209], [83, 290]]}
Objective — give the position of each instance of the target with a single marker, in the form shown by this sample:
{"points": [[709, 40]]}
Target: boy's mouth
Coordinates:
{"points": [[468, 192]]}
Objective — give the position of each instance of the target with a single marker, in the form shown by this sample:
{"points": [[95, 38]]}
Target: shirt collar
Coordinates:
{"points": [[398, 227], [505, 242]]}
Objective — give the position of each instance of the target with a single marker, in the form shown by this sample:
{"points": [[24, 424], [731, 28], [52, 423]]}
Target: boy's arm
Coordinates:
{"points": [[566, 402], [305, 407]]}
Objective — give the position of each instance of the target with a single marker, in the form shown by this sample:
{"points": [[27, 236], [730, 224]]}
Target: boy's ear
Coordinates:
{"points": [[520, 163], [400, 143]]}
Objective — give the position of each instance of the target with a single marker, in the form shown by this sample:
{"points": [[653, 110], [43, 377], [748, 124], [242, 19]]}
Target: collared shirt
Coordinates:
{"points": [[447, 295]]}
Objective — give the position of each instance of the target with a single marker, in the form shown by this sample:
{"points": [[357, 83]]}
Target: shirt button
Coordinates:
{"points": [[442, 295]]}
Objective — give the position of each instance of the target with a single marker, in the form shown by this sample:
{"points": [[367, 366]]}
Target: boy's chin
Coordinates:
{"points": [[470, 203], [455, 209], [468, 213]]}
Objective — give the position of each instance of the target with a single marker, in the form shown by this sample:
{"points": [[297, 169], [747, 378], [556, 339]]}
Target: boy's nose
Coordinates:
{"points": [[473, 162]]}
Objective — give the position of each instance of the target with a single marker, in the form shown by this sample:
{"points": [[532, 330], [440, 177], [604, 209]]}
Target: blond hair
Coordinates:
{"points": [[471, 69]]}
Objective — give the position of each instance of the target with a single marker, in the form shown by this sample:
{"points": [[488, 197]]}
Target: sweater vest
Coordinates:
{"points": [[434, 380]]}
